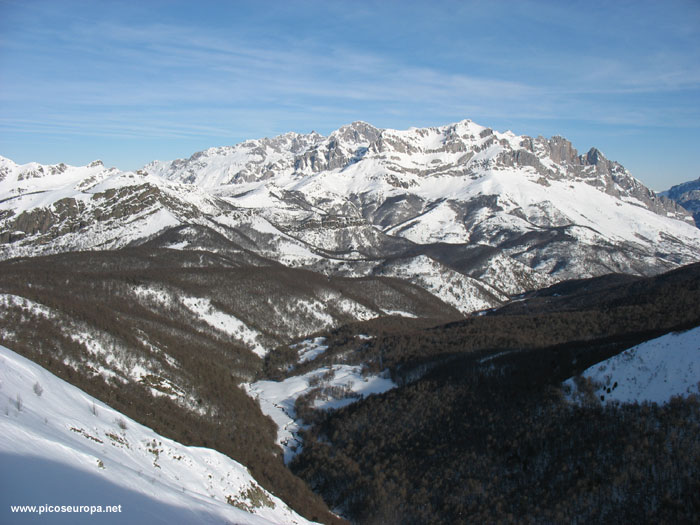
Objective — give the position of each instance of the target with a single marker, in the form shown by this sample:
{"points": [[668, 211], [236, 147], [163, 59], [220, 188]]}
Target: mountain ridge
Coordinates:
{"points": [[427, 254], [457, 137], [687, 194], [470, 214]]}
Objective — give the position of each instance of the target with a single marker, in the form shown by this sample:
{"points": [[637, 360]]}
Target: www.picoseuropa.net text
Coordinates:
{"points": [[77, 509]]}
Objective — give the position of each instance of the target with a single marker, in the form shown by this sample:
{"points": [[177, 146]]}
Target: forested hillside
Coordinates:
{"points": [[481, 430]]}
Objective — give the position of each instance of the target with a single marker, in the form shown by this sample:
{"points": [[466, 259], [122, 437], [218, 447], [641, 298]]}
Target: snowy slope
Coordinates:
{"points": [[653, 371], [60, 446], [363, 201], [49, 209], [455, 184], [326, 388]]}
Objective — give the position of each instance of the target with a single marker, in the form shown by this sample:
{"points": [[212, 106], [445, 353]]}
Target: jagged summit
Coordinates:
{"points": [[468, 213], [405, 158]]}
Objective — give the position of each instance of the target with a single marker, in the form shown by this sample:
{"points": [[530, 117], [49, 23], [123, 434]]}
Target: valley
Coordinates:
{"points": [[382, 326]]}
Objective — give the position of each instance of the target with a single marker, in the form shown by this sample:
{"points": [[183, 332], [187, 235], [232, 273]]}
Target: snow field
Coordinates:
{"points": [[74, 440], [652, 371], [224, 322], [310, 349], [277, 398], [203, 309]]}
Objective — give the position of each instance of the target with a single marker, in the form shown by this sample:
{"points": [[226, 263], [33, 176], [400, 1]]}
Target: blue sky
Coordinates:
{"points": [[130, 82]]}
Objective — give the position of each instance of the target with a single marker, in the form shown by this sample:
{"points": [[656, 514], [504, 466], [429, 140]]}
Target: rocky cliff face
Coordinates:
{"points": [[457, 149], [470, 214]]}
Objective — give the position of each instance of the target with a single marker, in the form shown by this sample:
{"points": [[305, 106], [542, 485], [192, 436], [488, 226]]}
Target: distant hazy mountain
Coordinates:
{"points": [[687, 195]]}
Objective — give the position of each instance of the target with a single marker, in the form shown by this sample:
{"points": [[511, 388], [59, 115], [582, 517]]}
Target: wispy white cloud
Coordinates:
{"points": [[165, 65], [111, 77]]}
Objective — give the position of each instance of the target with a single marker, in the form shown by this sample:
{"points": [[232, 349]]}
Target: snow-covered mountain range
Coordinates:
{"points": [[230, 298], [467, 213]]}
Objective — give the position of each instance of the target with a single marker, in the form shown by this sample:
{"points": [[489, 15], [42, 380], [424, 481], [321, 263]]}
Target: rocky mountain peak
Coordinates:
{"points": [[595, 157], [357, 133], [676, 192], [399, 157], [559, 149], [363, 194]]}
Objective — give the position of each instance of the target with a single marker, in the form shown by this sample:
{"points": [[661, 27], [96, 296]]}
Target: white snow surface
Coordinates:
{"points": [[464, 293], [224, 322], [60, 446], [310, 349], [444, 167], [203, 308], [652, 371], [277, 398], [451, 184]]}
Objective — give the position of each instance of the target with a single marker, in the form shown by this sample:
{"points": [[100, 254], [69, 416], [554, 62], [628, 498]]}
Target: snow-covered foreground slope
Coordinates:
{"points": [[653, 371], [61, 447]]}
